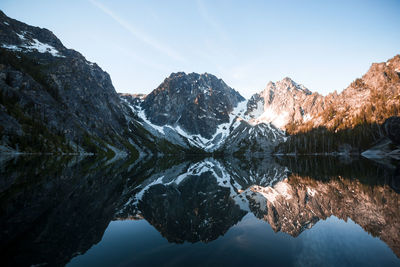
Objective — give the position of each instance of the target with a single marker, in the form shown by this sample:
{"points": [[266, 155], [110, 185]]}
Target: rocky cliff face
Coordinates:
{"points": [[53, 100], [283, 102], [248, 138], [292, 107], [60, 85], [372, 98], [196, 103]]}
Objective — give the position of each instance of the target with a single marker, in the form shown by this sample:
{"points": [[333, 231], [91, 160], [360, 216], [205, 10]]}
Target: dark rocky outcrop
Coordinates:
{"points": [[392, 129]]}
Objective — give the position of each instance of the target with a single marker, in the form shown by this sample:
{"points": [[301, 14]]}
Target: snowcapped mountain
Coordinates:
{"points": [[200, 110], [195, 103], [283, 102]]}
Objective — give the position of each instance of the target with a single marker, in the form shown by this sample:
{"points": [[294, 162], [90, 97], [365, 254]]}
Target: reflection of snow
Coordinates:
{"points": [[271, 193]]}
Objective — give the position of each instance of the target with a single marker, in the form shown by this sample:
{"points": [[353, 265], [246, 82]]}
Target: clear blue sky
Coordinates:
{"points": [[322, 44]]}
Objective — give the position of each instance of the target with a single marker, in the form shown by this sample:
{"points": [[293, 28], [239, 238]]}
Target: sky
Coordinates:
{"points": [[324, 45]]}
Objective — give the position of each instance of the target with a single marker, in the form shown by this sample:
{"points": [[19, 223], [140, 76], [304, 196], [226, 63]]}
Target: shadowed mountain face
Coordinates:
{"points": [[53, 86], [53, 100], [197, 103], [192, 200]]}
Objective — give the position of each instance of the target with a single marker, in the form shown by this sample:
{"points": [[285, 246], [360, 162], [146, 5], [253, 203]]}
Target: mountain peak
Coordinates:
{"points": [[192, 76], [183, 99], [286, 85], [279, 103], [20, 37]]}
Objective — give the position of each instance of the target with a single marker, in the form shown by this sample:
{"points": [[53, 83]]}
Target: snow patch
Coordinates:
{"points": [[270, 116], [307, 117], [11, 47], [142, 115], [44, 48], [311, 192], [33, 45], [21, 36], [197, 140]]}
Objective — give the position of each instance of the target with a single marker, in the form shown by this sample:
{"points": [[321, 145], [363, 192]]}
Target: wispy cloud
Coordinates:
{"points": [[138, 34]]}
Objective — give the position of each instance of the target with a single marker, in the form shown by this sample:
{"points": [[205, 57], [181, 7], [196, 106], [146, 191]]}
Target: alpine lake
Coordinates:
{"points": [[199, 211]]}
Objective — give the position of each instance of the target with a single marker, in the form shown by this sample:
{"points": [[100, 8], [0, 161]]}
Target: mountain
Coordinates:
{"points": [[292, 107], [349, 122], [201, 111], [283, 102], [194, 110], [196, 103], [53, 100], [352, 121], [372, 98]]}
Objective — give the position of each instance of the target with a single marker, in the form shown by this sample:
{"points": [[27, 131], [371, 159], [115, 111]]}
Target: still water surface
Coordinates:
{"points": [[200, 211]]}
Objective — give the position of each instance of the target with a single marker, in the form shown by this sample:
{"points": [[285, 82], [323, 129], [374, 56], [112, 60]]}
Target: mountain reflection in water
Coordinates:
{"points": [[54, 209]]}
